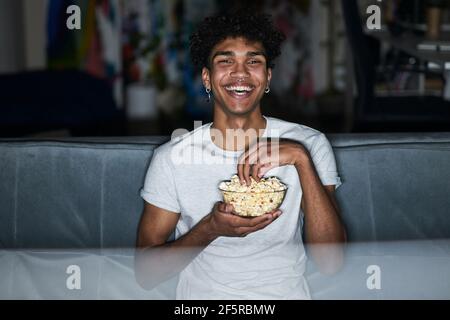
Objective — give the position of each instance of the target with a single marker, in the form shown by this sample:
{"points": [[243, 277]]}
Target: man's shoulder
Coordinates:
{"points": [[181, 139]]}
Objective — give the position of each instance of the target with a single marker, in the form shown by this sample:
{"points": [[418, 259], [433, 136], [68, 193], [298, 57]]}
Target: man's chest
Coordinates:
{"points": [[198, 187]]}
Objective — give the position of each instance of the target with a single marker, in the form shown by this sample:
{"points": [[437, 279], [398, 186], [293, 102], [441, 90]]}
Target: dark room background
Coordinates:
{"points": [[127, 70]]}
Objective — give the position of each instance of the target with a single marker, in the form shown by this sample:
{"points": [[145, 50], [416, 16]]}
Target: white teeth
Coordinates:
{"points": [[239, 88]]}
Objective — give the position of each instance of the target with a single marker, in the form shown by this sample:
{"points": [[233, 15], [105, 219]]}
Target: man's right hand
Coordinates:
{"points": [[222, 221]]}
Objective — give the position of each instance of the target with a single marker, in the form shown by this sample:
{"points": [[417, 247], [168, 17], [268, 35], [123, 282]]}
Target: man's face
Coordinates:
{"points": [[238, 75]]}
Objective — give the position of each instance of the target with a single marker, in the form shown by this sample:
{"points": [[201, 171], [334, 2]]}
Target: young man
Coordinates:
{"points": [[218, 254]]}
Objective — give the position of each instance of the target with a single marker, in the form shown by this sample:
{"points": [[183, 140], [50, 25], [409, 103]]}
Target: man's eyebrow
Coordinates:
{"points": [[231, 54], [223, 53], [255, 53]]}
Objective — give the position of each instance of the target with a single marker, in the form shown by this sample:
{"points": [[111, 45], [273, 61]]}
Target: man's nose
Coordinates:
{"points": [[240, 71]]}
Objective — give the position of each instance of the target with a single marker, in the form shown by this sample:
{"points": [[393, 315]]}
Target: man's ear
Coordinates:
{"points": [[269, 74], [205, 78]]}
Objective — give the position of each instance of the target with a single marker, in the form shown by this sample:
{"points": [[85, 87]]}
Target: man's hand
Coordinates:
{"points": [[266, 154], [223, 222]]}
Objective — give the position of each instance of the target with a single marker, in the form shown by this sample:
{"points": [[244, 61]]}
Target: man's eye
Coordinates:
{"points": [[225, 61], [254, 62]]}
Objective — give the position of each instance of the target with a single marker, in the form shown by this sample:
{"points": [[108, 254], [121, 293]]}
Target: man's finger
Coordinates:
{"points": [[275, 213], [268, 162], [229, 208], [253, 157], [247, 151], [264, 164], [245, 155], [266, 167], [259, 226], [251, 222], [246, 171], [240, 170], [219, 206], [255, 170], [223, 207]]}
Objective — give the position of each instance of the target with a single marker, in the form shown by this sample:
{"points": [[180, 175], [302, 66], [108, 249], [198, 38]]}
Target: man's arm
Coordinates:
{"points": [[157, 260], [323, 227]]}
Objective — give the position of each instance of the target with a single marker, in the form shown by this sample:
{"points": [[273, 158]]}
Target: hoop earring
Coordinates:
{"points": [[208, 92], [267, 90]]}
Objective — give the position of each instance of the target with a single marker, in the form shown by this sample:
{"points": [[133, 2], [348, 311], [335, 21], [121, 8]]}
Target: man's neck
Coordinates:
{"points": [[237, 132]]}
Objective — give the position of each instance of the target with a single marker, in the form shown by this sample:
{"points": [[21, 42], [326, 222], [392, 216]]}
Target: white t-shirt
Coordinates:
{"points": [[184, 176]]}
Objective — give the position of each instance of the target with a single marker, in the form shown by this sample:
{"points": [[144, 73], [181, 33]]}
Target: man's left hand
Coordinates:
{"points": [[266, 154]]}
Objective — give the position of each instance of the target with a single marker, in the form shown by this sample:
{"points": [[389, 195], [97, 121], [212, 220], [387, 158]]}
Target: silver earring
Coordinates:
{"points": [[267, 90], [208, 92]]}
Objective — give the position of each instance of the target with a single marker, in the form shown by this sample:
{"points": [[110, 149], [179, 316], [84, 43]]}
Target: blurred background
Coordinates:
{"points": [[124, 68]]}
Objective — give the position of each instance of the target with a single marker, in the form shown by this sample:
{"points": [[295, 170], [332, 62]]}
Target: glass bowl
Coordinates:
{"points": [[253, 204]]}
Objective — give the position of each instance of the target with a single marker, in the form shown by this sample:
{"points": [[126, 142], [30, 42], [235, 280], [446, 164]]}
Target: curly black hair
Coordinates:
{"points": [[251, 26]]}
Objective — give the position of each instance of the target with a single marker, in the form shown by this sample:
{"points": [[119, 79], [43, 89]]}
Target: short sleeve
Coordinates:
{"points": [[159, 185], [325, 162]]}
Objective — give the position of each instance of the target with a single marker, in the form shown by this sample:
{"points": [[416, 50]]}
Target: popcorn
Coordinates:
{"points": [[257, 198]]}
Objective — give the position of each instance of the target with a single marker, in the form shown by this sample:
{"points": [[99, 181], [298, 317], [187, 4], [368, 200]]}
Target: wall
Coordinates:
{"points": [[11, 35], [22, 35], [35, 12]]}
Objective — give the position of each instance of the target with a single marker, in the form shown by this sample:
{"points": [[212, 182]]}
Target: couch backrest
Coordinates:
{"points": [[72, 194], [84, 193], [395, 186]]}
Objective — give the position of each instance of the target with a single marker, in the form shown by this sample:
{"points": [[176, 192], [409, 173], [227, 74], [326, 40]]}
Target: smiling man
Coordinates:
{"points": [[218, 254]]}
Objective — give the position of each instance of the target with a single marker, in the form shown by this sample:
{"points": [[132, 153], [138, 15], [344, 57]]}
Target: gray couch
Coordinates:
{"points": [[75, 202]]}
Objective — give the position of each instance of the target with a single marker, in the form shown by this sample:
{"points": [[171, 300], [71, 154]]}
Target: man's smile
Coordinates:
{"points": [[239, 90]]}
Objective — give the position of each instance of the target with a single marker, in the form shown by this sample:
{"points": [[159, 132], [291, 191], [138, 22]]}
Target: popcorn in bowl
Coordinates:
{"points": [[256, 199]]}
